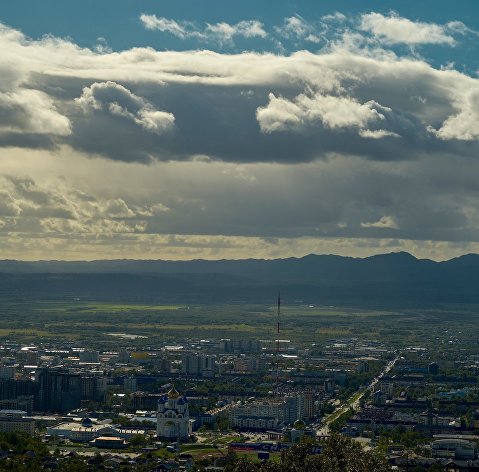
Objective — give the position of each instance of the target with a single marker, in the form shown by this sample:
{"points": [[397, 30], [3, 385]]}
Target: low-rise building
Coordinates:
{"points": [[10, 424], [454, 448], [87, 430], [109, 442]]}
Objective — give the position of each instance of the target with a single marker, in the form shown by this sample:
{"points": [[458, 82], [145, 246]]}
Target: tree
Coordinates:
{"points": [[74, 464], [340, 454], [138, 440]]}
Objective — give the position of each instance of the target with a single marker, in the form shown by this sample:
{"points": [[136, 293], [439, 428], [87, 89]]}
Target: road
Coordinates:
{"points": [[354, 400]]}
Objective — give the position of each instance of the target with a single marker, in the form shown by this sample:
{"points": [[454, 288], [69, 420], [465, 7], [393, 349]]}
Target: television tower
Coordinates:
{"points": [[277, 341]]}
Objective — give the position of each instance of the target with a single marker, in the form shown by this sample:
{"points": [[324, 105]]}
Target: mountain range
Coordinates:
{"points": [[395, 279]]}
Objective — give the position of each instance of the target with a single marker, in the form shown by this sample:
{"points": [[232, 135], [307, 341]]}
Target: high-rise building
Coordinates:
{"points": [[18, 394], [163, 364], [145, 401], [93, 388], [208, 366], [309, 408], [124, 357], [198, 364], [387, 390], [58, 390], [7, 372], [190, 364]]}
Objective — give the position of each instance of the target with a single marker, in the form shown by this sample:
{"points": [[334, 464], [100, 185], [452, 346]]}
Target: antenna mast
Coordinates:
{"points": [[277, 342]]}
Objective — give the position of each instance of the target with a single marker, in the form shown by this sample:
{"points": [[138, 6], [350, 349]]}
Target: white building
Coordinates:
{"points": [[14, 420], [173, 417], [265, 414], [87, 430], [10, 424], [453, 448]]}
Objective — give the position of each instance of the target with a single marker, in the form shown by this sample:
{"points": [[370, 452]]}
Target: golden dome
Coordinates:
{"points": [[173, 394], [298, 424]]}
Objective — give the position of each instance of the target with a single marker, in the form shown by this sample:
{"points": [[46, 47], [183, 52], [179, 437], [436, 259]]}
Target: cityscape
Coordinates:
{"points": [[203, 402], [239, 236]]}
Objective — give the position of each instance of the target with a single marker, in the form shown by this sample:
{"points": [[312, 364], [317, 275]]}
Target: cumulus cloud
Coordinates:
{"points": [[333, 112], [393, 29], [145, 105], [26, 206], [31, 111], [119, 101], [465, 124], [221, 32]]}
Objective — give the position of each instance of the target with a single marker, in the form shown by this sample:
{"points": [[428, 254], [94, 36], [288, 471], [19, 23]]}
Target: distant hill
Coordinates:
{"points": [[397, 279]]}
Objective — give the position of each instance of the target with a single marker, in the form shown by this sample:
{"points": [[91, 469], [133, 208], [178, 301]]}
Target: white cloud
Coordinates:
{"points": [[334, 88], [55, 207], [97, 210], [394, 29], [333, 112], [336, 16], [31, 111], [98, 227], [119, 101], [296, 27], [465, 124], [102, 46], [378, 134], [154, 120], [181, 30], [224, 32], [221, 32], [340, 187], [383, 222], [9, 206]]}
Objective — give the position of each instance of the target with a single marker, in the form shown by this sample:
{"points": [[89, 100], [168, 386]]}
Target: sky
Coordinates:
{"points": [[210, 129]]}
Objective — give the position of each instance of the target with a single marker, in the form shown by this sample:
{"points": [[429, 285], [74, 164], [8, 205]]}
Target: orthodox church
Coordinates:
{"points": [[173, 417]]}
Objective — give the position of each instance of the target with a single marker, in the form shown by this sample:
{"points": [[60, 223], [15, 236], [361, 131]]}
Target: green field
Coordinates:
{"points": [[100, 321]]}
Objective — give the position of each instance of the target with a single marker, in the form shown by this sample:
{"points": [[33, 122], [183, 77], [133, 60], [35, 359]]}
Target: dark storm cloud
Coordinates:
{"points": [[221, 123], [143, 105]]}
